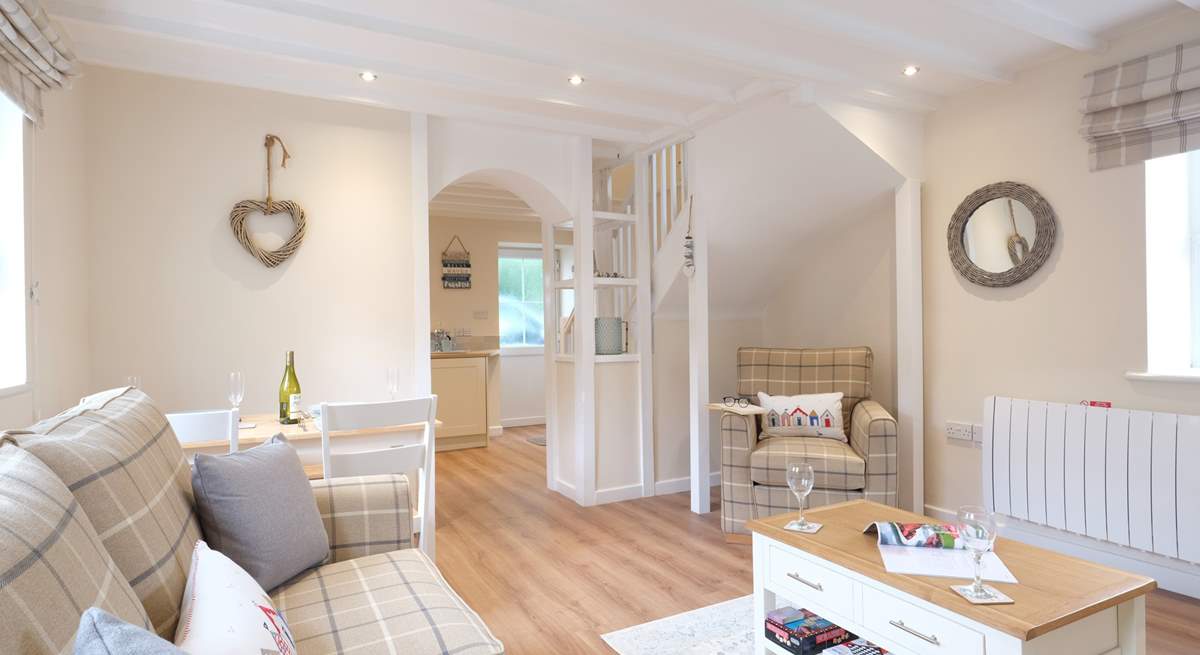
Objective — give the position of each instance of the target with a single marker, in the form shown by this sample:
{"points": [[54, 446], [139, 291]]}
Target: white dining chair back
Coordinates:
{"points": [[208, 425], [414, 459]]}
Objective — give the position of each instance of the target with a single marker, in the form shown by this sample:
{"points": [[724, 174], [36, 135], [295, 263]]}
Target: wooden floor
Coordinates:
{"points": [[549, 576]]}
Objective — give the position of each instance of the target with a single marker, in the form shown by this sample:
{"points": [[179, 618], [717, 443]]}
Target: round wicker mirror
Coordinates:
{"points": [[1001, 234]]}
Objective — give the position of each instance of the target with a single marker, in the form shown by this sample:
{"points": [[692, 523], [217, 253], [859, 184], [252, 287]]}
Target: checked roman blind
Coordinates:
{"points": [[1143, 108], [34, 55]]}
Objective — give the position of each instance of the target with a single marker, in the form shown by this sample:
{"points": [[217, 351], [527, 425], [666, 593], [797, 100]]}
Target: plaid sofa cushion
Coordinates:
{"points": [[365, 515], [394, 602], [53, 566], [769, 501], [117, 454], [836, 464], [793, 371]]}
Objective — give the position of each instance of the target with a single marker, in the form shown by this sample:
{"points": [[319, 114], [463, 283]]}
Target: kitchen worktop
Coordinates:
{"points": [[460, 354]]}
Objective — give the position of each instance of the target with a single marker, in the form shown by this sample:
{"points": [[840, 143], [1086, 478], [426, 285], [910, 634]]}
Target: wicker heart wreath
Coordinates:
{"points": [[242, 210]]}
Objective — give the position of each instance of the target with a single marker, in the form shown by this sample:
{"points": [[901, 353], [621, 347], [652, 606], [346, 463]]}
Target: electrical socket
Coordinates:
{"points": [[960, 431], [977, 433]]}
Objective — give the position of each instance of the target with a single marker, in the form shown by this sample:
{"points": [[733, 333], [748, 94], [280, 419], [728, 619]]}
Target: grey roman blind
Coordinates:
{"points": [[1144, 108], [34, 55]]}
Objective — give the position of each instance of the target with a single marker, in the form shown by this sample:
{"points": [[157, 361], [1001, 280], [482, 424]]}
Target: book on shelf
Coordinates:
{"points": [[856, 647], [802, 632]]}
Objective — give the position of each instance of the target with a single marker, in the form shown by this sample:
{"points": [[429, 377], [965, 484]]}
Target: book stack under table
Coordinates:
{"points": [[802, 632]]}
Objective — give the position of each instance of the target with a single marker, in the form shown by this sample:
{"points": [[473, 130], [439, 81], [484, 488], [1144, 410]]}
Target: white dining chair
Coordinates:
{"points": [[207, 425], [413, 459]]}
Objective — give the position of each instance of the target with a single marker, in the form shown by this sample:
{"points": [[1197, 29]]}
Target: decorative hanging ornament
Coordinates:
{"points": [[242, 210], [689, 245]]}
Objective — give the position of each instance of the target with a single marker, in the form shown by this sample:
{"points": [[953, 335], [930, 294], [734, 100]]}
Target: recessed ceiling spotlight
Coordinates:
{"points": [[575, 80], [367, 76], [911, 70]]}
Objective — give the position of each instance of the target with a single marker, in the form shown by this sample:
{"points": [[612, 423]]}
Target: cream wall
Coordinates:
{"points": [[523, 375], [452, 309], [1072, 330], [846, 280], [58, 213], [175, 298], [671, 440]]}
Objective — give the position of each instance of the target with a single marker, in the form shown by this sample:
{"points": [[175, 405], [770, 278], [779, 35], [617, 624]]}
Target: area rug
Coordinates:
{"points": [[721, 629]]}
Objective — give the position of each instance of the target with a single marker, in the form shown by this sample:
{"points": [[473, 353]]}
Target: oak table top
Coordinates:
{"points": [[268, 425], [1053, 590]]}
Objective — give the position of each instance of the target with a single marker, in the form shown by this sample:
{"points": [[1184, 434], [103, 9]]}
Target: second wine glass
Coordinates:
{"points": [[800, 479]]}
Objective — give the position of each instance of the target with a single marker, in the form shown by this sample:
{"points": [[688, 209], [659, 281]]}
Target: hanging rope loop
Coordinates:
{"points": [[270, 142]]}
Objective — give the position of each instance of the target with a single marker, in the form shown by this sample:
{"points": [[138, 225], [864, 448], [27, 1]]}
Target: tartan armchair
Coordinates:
{"points": [[753, 465]]}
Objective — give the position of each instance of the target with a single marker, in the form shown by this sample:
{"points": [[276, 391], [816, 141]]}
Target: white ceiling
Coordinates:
{"points": [[479, 200], [653, 68]]}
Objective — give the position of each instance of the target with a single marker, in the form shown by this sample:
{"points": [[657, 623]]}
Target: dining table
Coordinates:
{"points": [[305, 437]]}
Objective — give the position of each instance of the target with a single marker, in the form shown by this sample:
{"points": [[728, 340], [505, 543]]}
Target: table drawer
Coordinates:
{"points": [[916, 628], [808, 584]]}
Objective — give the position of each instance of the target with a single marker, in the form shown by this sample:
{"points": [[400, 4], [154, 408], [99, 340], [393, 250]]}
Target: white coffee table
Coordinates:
{"points": [[1062, 605]]}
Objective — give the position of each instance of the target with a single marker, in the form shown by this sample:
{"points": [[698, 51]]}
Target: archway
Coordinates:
{"points": [[495, 304]]}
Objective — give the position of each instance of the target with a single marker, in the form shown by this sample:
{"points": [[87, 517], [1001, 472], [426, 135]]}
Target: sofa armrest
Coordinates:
{"points": [[873, 436], [739, 436], [365, 515]]}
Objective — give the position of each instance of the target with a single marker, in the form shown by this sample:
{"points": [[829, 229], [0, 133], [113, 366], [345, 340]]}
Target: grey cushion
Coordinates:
{"points": [[257, 507], [101, 633]]}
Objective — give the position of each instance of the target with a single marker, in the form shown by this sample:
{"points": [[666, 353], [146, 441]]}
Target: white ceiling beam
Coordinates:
{"points": [[1028, 18], [484, 216], [1193, 4], [680, 41], [507, 211], [564, 62], [104, 46], [170, 21], [479, 196], [908, 48]]}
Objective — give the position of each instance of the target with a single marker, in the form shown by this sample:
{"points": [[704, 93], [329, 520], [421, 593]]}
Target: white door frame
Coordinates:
{"points": [[910, 346]]}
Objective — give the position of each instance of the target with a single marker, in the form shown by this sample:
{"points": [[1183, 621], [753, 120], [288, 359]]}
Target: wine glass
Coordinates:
{"points": [[977, 528], [393, 381], [800, 479], [134, 381], [237, 391]]}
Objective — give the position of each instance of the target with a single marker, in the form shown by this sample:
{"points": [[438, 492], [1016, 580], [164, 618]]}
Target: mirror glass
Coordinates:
{"points": [[999, 235]]}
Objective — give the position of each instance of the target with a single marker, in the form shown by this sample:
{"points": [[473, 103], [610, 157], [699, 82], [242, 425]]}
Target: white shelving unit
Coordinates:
{"points": [[602, 456]]}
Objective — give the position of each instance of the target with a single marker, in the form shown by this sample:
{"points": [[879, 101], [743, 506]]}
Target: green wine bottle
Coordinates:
{"points": [[289, 393]]}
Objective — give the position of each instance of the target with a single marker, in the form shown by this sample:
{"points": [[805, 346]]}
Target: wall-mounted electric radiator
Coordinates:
{"points": [[1127, 477]]}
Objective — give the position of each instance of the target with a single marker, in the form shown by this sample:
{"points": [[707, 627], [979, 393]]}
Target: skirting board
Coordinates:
{"points": [[522, 421], [495, 431], [1172, 575], [679, 485]]}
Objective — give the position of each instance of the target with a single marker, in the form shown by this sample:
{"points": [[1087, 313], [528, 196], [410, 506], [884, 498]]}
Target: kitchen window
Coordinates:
{"points": [[522, 323], [14, 316], [1173, 266]]}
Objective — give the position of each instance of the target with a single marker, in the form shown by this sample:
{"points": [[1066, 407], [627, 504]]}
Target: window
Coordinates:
{"points": [[13, 316], [1173, 264], [522, 322]]}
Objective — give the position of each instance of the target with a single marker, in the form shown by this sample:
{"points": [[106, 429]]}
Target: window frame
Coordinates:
{"points": [[28, 134], [1172, 351], [534, 250]]}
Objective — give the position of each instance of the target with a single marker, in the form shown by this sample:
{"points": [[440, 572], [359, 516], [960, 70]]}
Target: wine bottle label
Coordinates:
{"points": [[294, 406]]}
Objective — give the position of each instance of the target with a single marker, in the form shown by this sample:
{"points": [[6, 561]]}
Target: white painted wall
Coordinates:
{"points": [[842, 292], [175, 298], [58, 216], [1072, 330], [725, 335]]}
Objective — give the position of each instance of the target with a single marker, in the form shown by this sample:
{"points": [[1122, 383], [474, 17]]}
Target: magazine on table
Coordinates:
{"points": [[933, 549]]}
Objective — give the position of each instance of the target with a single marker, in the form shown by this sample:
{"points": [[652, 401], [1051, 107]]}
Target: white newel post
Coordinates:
{"points": [[910, 358], [419, 144], [698, 367]]}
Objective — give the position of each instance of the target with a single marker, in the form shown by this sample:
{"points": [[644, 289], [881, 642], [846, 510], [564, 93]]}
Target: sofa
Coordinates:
{"points": [[105, 492], [754, 465]]}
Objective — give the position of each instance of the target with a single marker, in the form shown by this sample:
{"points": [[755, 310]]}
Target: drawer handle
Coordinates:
{"points": [[814, 585], [930, 638]]}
